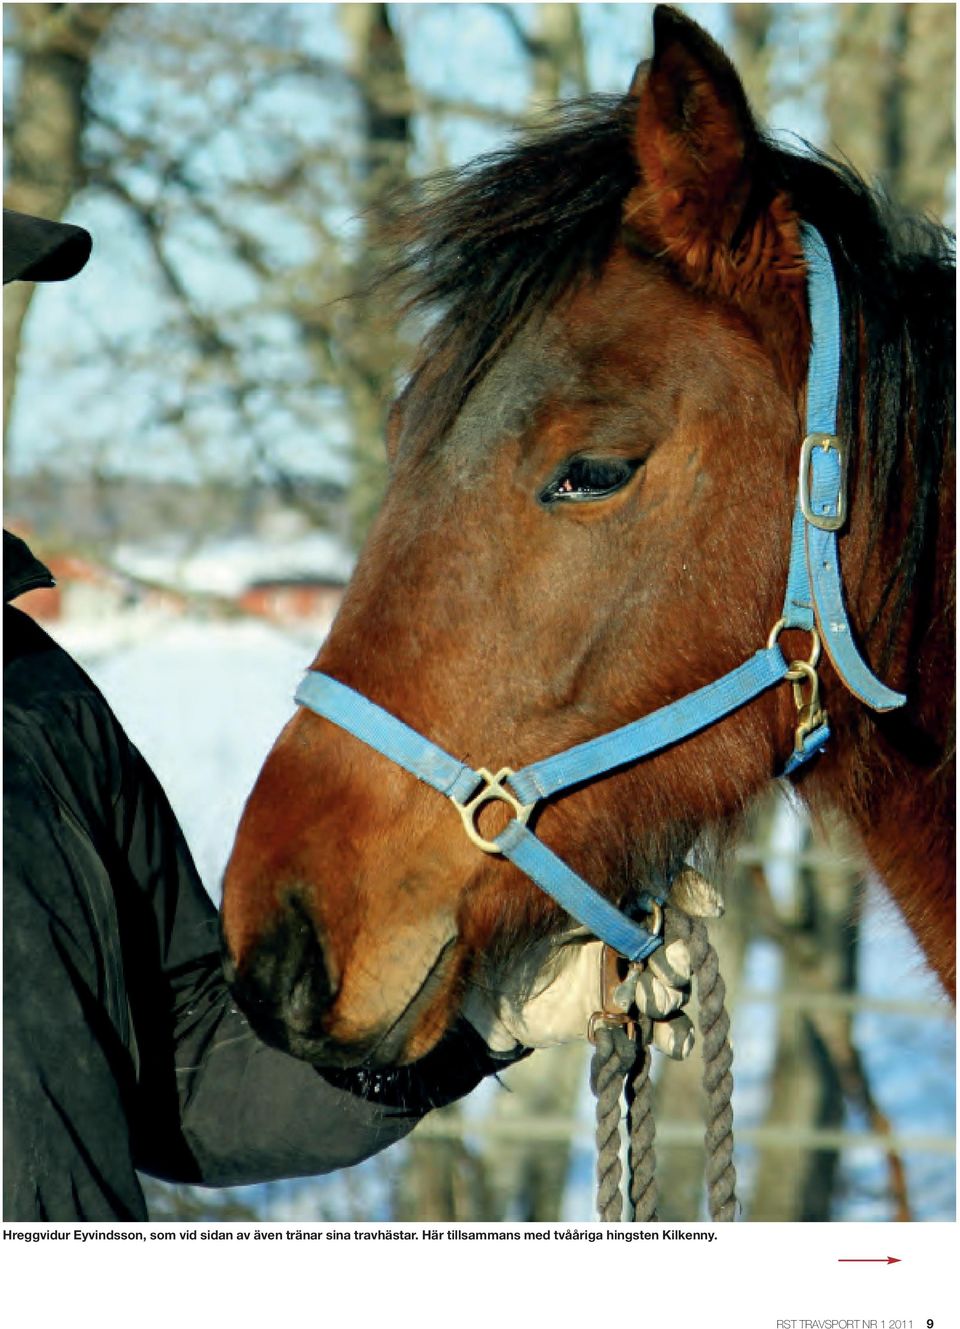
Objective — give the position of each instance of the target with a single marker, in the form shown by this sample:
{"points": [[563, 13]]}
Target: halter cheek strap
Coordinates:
{"points": [[814, 585], [814, 603]]}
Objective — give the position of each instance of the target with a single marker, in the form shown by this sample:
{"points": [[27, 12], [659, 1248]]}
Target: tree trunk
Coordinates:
{"points": [[890, 80], [378, 66], [56, 44], [929, 64], [440, 1180], [751, 51], [527, 1178], [819, 957], [860, 86], [556, 55]]}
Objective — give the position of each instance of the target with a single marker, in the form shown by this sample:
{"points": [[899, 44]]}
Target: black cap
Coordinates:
{"points": [[39, 250]]}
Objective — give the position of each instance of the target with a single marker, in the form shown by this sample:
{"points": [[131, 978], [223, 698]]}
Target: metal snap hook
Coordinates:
{"points": [[810, 714]]}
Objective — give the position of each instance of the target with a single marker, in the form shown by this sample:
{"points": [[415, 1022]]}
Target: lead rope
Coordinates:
{"points": [[615, 1053], [621, 1065], [641, 1128]]}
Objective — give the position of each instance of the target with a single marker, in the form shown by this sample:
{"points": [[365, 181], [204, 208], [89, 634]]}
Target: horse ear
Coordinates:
{"points": [[695, 142]]}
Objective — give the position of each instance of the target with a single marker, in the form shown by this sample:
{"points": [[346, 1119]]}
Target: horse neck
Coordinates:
{"points": [[892, 775]]}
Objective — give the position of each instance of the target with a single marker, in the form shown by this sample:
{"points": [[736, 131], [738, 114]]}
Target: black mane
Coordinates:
{"points": [[485, 249], [897, 283]]}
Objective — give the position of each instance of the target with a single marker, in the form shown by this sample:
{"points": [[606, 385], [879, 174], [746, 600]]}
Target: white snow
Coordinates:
{"points": [[228, 567]]}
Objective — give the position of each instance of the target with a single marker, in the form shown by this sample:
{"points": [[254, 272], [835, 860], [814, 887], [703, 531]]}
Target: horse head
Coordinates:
{"points": [[592, 473]]}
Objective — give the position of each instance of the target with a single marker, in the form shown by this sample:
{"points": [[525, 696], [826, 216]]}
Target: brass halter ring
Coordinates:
{"points": [[493, 790], [795, 673]]}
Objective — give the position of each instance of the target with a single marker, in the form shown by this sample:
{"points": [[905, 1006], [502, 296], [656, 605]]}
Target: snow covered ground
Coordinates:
{"points": [[230, 566], [204, 701]]}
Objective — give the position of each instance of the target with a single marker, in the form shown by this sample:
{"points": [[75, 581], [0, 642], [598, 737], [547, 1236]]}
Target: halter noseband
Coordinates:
{"points": [[813, 603]]}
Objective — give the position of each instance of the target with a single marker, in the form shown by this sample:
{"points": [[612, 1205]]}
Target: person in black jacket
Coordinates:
{"points": [[122, 1047], [123, 1050]]}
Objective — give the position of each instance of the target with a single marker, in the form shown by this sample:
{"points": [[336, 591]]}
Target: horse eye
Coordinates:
{"points": [[583, 479]]}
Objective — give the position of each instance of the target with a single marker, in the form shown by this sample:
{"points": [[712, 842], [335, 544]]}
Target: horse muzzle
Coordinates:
{"points": [[288, 986]]}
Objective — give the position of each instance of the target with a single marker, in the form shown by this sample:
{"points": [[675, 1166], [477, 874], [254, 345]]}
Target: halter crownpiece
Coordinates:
{"points": [[813, 603]]}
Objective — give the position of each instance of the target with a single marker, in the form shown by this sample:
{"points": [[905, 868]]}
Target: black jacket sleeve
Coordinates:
{"points": [[249, 1112]]}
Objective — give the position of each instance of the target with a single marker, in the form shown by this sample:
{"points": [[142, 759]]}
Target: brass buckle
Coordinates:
{"points": [[493, 791], [818, 519]]}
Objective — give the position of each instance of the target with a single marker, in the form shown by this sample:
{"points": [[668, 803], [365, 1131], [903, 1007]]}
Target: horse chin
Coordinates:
{"points": [[422, 1022], [386, 1053]]}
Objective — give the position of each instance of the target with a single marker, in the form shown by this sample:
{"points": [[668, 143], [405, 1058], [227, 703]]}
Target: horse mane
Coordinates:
{"points": [[485, 249], [896, 279]]}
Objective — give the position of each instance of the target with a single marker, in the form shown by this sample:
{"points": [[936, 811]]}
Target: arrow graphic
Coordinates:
{"points": [[882, 1259]]}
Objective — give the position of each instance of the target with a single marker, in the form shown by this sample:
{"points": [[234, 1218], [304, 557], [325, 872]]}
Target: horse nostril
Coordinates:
{"points": [[286, 978], [310, 997]]}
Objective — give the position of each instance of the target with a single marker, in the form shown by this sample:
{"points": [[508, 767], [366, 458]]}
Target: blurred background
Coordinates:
{"points": [[193, 442]]}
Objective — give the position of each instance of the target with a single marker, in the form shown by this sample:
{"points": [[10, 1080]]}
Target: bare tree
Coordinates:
{"points": [[929, 96], [558, 57], [891, 87], [752, 52], [819, 950], [56, 45], [272, 351], [375, 351]]}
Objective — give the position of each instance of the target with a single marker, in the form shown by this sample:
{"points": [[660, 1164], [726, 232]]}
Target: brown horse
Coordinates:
{"points": [[593, 471]]}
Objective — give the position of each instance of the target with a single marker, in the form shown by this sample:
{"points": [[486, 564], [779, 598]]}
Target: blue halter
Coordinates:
{"points": [[813, 603]]}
